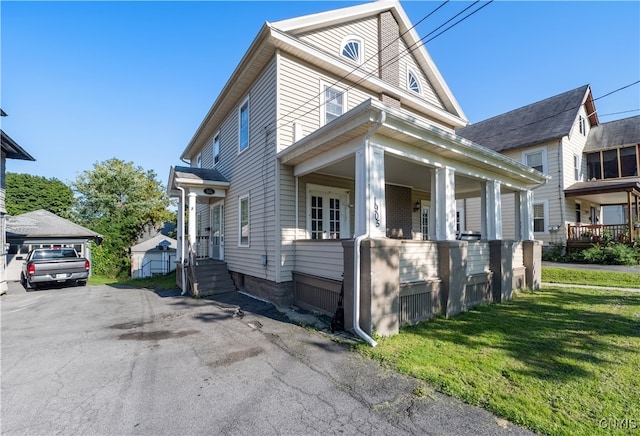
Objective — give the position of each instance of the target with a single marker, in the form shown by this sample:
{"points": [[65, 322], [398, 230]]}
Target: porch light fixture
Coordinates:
{"points": [[416, 207], [554, 228]]}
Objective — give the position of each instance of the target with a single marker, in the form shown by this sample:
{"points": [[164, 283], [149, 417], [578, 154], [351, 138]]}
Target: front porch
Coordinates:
{"points": [[408, 281]]}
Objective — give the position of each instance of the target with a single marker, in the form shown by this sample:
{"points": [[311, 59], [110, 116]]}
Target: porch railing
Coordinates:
{"points": [[202, 247], [595, 233]]}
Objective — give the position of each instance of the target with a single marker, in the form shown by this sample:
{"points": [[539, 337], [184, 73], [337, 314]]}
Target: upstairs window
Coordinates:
{"points": [[333, 104], [576, 167], [216, 148], [243, 126], [352, 48], [594, 169], [536, 159], [582, 125], [413, 83]]}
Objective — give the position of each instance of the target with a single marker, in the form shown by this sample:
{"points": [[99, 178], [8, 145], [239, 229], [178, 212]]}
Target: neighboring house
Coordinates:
{"points": [[155, 256], [43, 229], [331, 155], [591, 166], [10, 150]]}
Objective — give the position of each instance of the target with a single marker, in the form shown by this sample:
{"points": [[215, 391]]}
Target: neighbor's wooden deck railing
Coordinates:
{"points": [[595, 233]]}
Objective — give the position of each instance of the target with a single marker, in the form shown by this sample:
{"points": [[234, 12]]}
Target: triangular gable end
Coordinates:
{"points": [[327, 30]]}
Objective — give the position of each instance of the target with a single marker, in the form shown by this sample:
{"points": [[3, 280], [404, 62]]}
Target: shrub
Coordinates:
{"points": [[609, 254]]}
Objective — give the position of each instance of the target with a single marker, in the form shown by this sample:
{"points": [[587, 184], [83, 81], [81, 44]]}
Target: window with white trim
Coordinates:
{"points": [[576, 166], [424, 219], [413, 82], [243, 221], [332, 104], [327, 212], [352, 48], [536, 159], [216, 148], [539, 217], [243, 126]]}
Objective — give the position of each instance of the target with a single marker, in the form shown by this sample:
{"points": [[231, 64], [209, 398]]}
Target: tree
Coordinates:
{"points": [[26, 193], [118, 200]]}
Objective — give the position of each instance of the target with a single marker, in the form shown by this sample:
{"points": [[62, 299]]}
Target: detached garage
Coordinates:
{"points": [[43, 229], [153, 257]]}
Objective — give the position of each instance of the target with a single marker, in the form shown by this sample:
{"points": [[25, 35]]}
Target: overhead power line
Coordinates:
{"points": [[391, 61]]}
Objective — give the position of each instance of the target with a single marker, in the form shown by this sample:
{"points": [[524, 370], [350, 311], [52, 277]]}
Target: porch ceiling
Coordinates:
{"points": [[407, 173]]}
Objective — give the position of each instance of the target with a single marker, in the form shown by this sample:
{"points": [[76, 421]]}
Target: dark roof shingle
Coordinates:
{"points": [[614, 134], [536, 123]]}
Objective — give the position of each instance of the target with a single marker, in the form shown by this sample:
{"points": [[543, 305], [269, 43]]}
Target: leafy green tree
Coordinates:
{"points": [[118, 200], [26, 193]]}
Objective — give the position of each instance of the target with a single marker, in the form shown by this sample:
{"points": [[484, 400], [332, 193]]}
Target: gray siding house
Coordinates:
{"points": [[594, 185], [331, 156]]}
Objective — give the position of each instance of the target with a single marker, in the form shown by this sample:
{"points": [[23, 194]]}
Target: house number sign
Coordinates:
{"points": [[209, 191], [376, 212]]}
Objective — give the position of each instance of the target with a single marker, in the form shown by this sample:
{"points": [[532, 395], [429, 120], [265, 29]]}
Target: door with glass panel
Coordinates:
{"points": [[217, 232], [328, 216]]}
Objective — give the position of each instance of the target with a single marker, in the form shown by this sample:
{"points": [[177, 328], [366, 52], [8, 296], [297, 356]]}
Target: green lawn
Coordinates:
{"points": [[157, 283], [557, 361], [590, 277]]}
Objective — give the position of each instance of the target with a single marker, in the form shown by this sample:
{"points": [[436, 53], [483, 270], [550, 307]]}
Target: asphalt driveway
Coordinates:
{"points": [[100, 360]]}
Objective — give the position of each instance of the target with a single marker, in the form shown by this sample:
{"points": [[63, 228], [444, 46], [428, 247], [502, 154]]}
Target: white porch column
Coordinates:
{"points": [[526, 215], [370, 193], [192, 219], [491, 209], [443, 204], [181, 239]]}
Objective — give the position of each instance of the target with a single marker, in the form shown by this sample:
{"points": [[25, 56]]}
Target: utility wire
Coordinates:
{"points": [[573, 108], [619, 113], [360, 66], [395, 59]]}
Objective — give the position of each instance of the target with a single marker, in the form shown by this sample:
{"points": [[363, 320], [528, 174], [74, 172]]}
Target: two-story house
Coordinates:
{"points": [[330, 156], [10, 150], [593, 168]]}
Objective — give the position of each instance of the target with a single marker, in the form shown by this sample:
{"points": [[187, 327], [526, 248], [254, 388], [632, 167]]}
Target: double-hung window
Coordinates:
{"points": [[333, 103], [243, 126], [539, 217], [243, 221], [536, 159]]}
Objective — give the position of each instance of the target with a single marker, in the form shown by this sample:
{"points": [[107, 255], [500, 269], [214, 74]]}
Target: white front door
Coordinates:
{"points": [[217, 232], [328, 213]]}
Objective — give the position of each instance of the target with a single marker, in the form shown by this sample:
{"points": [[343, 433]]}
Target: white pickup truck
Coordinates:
{"points": [[54, 265]]}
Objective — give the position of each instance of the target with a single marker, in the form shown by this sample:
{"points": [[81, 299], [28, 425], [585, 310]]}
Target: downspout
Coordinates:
{"points": [[184, 278], [358, 240]]}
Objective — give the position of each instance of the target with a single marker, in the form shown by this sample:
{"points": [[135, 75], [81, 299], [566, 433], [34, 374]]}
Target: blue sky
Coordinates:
{"points": [[83, 82]]}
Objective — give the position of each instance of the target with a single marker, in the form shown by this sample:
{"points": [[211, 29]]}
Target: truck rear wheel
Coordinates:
{"points": [[25, 283]]}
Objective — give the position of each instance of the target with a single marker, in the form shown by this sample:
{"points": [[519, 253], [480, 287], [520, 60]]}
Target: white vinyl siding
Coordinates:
{"points": [[408, 62], [329, 40], [251, 172], [300, 96], [320, 258]]}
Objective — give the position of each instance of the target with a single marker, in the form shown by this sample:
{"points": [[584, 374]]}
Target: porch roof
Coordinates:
{"points": [[188, 177], [605, 192], [414, 135]]}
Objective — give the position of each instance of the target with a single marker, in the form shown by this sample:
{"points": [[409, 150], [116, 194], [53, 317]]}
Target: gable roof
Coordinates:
{"points": [[280, 36], [44, 224], [536, 123], [614, 134], [409, 34], [152, 244]]}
